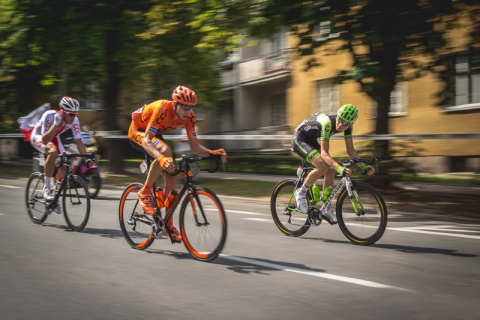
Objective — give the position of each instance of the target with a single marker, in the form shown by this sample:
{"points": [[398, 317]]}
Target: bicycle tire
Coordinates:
{"points": [[35, 204], [93, 181], [76, 203], [203, 224], [368, 227], [288, 219], [134, 222]]}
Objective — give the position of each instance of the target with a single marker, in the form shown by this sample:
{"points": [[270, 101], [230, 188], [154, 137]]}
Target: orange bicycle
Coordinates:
{"points": [[203, 223]]}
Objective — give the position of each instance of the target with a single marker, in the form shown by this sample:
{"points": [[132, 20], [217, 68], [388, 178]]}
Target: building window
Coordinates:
{"points": [[398, 100], [467, 80], [326, 97], [322, 32]]}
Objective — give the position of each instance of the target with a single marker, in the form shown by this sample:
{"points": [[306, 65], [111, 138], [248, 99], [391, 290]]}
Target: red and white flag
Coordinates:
{"points": [[28, 122]]}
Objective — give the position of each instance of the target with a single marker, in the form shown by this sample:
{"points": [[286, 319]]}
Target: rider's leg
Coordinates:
{"points": [[320, 168], [49, 168], [51, 155], [329, 177], [329, 214]]}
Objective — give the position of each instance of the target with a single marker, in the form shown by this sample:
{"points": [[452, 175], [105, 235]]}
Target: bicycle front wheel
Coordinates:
{"points": [[363, 218], [92, 179], [283, 206], [76, 203], [203, 224], [136, 225], [34, 198]]}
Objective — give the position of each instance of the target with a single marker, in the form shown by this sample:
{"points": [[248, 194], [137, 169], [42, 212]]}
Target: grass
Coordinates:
{"points": [[23, 168]]}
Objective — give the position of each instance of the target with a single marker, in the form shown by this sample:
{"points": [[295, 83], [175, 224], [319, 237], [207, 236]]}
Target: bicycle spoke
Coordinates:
{"points": [[34, 201], [284, 210], [203, 224], [135, 224], [76, 203], [363, 218]]}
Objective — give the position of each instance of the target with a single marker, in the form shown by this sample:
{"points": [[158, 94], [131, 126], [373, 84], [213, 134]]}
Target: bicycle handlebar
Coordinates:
{"points": [[66, 156], [351, 162], [184, 159]]}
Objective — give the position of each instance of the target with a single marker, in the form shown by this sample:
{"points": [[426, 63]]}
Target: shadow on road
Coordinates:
{"points": [[405, 249]]}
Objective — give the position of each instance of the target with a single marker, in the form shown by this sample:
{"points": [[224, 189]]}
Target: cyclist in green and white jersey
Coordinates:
{"points": [[305, 143]]}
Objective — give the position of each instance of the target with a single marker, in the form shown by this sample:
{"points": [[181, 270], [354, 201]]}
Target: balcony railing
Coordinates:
{"points": [[258, 69]]}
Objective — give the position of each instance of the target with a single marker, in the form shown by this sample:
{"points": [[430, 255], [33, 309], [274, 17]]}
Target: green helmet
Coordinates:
{"points": [[348, 113]]}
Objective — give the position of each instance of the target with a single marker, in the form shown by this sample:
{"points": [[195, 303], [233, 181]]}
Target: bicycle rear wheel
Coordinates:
{"points": [[288, 219], [76, 203], [362, 219], [136, 225], [203, 224], [34, 198]]}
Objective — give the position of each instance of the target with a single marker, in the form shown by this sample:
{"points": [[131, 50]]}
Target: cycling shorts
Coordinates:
{"points": [[305, 146]]}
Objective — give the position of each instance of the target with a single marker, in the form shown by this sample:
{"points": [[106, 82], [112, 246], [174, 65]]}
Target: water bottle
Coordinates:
{"points": [[316, 193], [170, 198], [326, 193], [160, 197]]}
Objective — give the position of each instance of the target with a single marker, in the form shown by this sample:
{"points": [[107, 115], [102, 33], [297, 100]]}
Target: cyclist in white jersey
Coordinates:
{"points": [[45, 138]]}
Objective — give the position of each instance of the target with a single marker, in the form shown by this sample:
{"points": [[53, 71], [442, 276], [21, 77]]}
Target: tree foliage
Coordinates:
{"points": [[384, 38]]}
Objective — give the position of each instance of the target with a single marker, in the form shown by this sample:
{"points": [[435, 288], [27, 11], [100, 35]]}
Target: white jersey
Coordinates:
{"points": [[44, 124]]}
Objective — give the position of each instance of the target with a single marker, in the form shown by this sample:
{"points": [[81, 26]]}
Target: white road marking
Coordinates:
{"points": [[259, 219], [10, 187], [433, 229], [437, 230], [317, 274], [244, 212]]}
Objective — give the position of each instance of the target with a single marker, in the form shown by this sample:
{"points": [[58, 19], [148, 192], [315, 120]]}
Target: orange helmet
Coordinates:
{"points": [[184, 95]]}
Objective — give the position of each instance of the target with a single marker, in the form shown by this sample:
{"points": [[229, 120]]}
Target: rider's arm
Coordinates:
{"points": [[352, 153], [200, 150], [82, 149], [324, 153], [147, 144], [51, 132]]}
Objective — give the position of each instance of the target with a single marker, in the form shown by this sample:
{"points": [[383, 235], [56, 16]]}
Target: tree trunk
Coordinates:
{"points": [[112, 91], [382, 147]]}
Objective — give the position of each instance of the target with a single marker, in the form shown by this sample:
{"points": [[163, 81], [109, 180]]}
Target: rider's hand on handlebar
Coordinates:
{"points": [[166, 163], [89, 163], [219, 152], [370, 170], [344, 172]]}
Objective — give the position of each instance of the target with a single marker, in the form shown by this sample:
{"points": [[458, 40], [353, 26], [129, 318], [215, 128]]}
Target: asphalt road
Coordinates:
{"points": [[424, 267]]}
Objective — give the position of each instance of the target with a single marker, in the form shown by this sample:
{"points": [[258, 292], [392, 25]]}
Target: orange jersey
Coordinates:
{"points": [[159, 116]]}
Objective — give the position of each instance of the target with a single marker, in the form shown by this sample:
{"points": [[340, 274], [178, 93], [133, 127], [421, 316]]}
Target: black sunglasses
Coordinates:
{"points": [[185, 107]]}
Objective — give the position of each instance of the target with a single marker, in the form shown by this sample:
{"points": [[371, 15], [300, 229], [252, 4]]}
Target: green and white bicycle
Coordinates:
{"points": [[360, 208]]}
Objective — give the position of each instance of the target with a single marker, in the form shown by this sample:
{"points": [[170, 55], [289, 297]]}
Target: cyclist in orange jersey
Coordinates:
{"points": [[148, 124]]}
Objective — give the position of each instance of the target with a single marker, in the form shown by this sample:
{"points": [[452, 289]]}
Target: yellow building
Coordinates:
{"points": [[272, 94]]}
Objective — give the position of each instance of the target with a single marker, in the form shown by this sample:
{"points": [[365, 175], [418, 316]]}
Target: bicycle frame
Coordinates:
{"points": [[65, 159], [187, 186], [345, 182]]}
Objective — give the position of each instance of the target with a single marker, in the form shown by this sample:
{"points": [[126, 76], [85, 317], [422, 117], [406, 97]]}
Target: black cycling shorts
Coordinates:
{"points": [[305, 146]]}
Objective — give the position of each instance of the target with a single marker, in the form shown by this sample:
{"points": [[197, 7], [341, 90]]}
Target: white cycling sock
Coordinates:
{"points": [[303, 189], [48, 183]]}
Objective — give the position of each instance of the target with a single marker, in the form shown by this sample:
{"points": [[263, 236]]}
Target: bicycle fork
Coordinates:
{"points": [[192, 197], [354, 198]]}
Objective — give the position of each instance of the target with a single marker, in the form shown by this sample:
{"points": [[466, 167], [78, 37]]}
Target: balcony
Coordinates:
{"points": [[269, 68]]}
